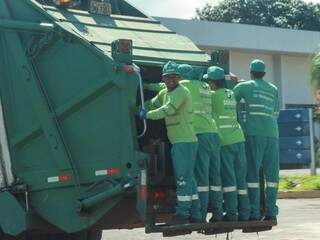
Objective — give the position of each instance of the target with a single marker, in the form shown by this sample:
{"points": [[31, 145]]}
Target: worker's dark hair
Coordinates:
{"points": [[258, 75], [221, 83]]}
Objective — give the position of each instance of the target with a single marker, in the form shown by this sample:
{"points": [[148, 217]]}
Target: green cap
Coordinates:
{"points": [[258, 65], [170, 68], [185, 71], [214, 73]]}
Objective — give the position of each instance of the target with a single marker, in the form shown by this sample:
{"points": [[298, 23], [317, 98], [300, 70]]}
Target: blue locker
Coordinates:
{"points": [[292, 129], [294, 142], [296, 115], [295, 156]]}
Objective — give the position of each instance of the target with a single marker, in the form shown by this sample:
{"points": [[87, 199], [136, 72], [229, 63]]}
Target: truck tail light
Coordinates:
{"points": [[62, 178], [159, 195], [143, 192], [109, 171], [62, 2], [129, 69]]}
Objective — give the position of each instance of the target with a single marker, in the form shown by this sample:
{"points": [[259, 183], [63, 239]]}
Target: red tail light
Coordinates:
{"points": [[129, 69], [159, 195]]}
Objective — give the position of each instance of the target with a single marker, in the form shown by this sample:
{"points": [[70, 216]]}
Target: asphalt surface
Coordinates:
{"points": [[299, 219]]}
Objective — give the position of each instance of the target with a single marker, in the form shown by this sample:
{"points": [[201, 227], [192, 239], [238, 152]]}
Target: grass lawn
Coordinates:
{"points": [[299, 183]]}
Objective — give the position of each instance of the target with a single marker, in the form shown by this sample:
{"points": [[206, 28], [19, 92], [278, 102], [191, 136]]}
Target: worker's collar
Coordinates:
{"points": [[172, 89]]}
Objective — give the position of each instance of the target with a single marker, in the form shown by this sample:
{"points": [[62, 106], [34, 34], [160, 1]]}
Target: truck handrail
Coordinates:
{"points": [[137, 70]]}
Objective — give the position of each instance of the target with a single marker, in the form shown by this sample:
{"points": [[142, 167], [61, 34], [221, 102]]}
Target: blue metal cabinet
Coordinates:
{"points": [[295, 136], [295, 156], [294, 142], [296, 115]]}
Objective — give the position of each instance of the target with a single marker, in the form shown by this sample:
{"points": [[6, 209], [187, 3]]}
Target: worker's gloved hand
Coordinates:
{"points": [[143, 114]]}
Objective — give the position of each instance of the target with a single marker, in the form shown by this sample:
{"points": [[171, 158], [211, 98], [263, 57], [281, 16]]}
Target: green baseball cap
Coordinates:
{"points": [[258, 65], [185, 71], [214, 73], [170, 68]]}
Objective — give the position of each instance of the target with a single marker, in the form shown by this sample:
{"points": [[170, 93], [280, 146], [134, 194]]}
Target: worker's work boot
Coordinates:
{"points": [[230, 218], [270, 218], [197, 220], [214, 220], [178, 220]]}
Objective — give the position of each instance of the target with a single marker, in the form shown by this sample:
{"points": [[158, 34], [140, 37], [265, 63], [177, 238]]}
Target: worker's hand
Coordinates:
{"points": [[143, 114]]}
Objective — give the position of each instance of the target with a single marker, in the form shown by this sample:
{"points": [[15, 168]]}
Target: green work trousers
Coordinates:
{"points": [[233, 175], [207, 172], [262, 152], [183, 158]]}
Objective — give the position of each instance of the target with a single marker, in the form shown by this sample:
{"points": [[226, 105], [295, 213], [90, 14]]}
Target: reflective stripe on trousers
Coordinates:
{"points": [[230, 189], [203, 189], [242, 192], [194, 197], [253, 185], [184, 198], [272, 184], [215, 188]]}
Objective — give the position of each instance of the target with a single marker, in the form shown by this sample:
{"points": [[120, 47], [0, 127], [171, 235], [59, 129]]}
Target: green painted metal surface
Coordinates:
{"points": [[13, 221], [69, 112]]}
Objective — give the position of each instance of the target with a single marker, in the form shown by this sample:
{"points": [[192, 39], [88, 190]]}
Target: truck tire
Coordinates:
{"points": [[91, 234], [94, 234]]}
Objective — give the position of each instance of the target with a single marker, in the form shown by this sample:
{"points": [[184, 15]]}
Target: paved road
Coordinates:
{"points": [[298, 220]]}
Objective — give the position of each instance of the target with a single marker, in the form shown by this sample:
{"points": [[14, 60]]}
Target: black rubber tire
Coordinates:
{"points": [[91, 234], [94, 234]]}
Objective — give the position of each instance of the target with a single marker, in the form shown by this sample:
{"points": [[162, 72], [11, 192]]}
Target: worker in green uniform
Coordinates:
{"points": [[174, 105], [261, 130], [207, 167], [233, 156]]}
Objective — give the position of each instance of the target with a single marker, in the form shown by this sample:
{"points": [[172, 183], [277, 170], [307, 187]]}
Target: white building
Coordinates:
{"points": [[286, 52]]}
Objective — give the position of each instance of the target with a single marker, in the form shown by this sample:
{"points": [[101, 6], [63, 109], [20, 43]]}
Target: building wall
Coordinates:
{"points": [[289, 73], [240, 62], [295, 80]]}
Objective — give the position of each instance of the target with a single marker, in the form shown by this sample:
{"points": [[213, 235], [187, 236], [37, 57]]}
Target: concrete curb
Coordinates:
{"points": [[299, 194]]}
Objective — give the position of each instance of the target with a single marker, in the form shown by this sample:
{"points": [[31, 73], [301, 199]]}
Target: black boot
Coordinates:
{"points": [[214, 220], [270, 218], [196, 220], [178, 220]]}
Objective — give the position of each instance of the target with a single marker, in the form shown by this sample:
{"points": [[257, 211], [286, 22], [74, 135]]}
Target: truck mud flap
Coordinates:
{"points": [[211, 228]]}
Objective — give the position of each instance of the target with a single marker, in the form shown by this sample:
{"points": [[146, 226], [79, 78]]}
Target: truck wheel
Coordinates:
{"points": [[94, 234], [91, 234]]}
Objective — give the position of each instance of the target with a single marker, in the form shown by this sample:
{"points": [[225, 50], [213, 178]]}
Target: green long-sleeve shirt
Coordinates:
{"points": [[225, 114], [176, 108], [261, 105], [201, 104]]}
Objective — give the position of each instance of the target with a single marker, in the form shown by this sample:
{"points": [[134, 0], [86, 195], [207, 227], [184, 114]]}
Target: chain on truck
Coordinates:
{"points": [[75, 159]]}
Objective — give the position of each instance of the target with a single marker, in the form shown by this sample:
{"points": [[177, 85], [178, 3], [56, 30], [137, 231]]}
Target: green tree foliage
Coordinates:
{"points": [[294, 14]]}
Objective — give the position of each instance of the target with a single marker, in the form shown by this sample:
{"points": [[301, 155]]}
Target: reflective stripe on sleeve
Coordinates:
{"points": [[230, 189], [203, 189], [272, 184], [253, 185], [184, 198], [215, 188], [227, 117], [201, 112], [242, 192], [226, 126]]}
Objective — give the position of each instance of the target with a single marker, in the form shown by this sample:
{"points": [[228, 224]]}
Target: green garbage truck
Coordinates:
{"points": [[75, 159]]}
